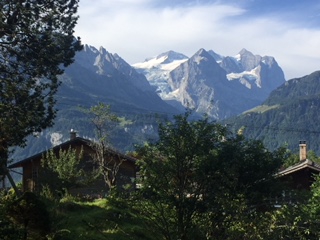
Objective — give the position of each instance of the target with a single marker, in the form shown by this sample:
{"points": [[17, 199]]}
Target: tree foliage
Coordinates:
{"points": [[107, 159], [297, 219], [200, 182], [36, 38], [36, 41], [65, 169], [8, 230], [103, 121], [30, 216]]}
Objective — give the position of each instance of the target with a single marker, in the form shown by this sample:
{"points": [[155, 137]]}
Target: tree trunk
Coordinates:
{"points": [[4, 155], [13, 184]]}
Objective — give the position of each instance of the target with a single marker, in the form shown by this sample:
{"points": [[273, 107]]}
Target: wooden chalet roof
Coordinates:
{"points": [[306, 164], [75, 141]]}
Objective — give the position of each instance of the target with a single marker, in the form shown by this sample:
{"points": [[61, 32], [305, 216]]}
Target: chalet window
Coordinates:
{"points": [[35, 172]]}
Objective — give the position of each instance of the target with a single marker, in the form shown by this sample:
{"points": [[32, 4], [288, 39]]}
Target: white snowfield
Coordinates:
{"points": [[157, 70]]}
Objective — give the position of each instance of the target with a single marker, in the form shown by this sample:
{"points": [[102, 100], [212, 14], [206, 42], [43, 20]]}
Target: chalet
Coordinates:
{"points": [[300, 175], [32, 165]]}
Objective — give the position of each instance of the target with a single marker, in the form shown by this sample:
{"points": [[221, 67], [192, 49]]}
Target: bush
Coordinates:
{"points": [[30, 214]]}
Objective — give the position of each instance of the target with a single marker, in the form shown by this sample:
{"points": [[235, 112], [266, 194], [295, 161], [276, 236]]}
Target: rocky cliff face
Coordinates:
{"points": [[254, 71], [198, 83], [207, 82], [213, 84], [101, 76]]}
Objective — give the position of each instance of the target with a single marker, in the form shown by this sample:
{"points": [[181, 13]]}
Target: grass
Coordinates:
{"points": [[102, 219], [262, 108]]}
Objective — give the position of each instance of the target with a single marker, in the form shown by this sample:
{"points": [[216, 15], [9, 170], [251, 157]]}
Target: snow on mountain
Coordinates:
{"points": [[197, 81], [244, 67], [247, 78], [157, 70], [253, 70]]}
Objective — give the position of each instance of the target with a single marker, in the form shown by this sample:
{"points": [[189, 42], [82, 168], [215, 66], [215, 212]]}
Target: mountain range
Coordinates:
{"points": [[210, 83], [99, 76], [152, 91]]}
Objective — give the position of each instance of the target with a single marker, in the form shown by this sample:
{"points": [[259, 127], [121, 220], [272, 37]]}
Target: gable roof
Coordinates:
{"points": [[74, 141], [306, 164]]}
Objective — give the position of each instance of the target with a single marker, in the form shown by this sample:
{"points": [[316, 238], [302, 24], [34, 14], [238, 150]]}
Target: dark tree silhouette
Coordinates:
{"points": [[36, 41]]}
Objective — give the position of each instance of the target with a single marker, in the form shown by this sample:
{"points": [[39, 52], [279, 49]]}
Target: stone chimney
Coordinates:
{"points": [[303, 150], [73, 134]]}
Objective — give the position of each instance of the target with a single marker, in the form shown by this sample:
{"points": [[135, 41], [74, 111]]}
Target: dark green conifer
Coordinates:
{"points": [[36, 42]]}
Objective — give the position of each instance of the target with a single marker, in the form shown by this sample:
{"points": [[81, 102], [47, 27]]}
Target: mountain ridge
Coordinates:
{"points": [[198, 82], [288, 115], [259, 75]]}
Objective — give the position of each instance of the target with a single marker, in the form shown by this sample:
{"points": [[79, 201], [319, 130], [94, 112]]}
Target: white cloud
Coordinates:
{"points": [[136, 30]]}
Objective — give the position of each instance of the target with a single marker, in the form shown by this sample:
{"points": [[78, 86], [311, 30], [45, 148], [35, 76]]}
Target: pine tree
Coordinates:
{"points": [[36, 42]]}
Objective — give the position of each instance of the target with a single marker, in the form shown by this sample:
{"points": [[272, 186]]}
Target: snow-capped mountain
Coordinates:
{"points": [[157, 71], [100, 76], [253, 71], [211, 83], [207, 82]]}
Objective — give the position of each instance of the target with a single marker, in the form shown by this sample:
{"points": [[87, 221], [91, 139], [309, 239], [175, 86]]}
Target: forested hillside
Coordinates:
{"points": [[290, 114]]}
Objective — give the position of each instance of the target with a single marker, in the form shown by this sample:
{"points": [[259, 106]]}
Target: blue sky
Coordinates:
{"points": [[288, 30]]}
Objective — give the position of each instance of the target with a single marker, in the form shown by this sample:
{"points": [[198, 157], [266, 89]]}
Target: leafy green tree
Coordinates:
{"points": [[104, 121], [8, 229], [296, 219], [313, 156], [171, 172], [200, 182], [241, 187], [36, 42], [65, 170], [30, 214], [292, 158]]}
